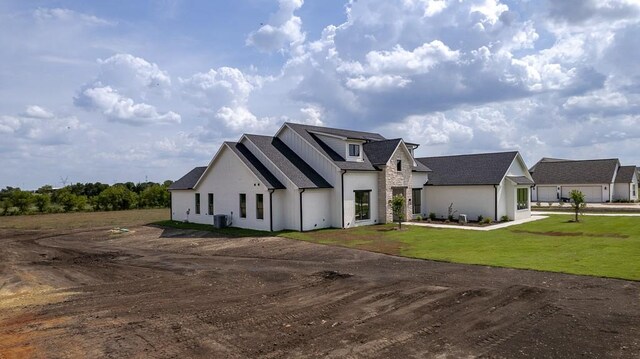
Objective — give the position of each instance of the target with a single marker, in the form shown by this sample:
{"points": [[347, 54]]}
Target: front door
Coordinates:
{"points": [[399, 191]]}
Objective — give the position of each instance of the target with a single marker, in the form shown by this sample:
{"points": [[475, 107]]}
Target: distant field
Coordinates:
{"points": [[85, 219]]}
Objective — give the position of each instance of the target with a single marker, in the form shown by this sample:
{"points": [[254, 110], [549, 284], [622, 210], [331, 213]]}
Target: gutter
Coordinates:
{"points": [[171, 205], [342, 202], [271, 209], [301, 192], [495, 201]]}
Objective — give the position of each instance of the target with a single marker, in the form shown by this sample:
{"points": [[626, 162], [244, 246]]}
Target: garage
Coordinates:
{"points": [[591, 193], [547, 193]]}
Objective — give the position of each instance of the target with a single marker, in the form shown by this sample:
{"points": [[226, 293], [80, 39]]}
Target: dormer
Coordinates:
{"points": [[348, 148], [412, 147]]}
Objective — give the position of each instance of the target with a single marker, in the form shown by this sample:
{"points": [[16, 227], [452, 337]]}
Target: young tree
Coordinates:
{"points": [[22, 200], [577, 201], [42, 201], [397, 206]]}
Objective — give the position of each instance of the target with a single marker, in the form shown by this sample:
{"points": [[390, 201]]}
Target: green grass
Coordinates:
{"points": [[75, 220], [597, 246]]}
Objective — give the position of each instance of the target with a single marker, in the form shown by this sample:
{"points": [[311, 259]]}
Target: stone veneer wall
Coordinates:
{"points": [[389, 178]]}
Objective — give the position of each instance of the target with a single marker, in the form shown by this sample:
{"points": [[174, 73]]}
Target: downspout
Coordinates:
{"points": [[342, 202], [495, 201], [271, 209], [301, 192]]}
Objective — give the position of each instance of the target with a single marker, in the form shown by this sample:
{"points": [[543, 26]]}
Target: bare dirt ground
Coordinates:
{"points": [[167, 293]]}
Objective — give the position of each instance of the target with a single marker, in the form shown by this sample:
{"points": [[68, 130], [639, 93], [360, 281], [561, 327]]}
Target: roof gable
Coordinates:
{"points": [[575, 172], [625, 174], [189, 180], [473, 169], [255, 166]]}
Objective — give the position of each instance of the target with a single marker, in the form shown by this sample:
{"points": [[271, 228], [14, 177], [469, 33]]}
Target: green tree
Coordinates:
{"points": [[117, 197], [397, 206], [67, 199], [42, 201], [577, 202], [5, 204], [22, 200], [155, 196]]}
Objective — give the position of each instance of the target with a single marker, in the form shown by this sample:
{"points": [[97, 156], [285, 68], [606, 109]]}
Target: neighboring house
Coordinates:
{"points": [[556, 178], [490, 185], [626, 184], [303, 178]]}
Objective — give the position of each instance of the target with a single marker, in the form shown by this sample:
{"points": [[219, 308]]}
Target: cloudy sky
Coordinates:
{"points": [[132, 90]]}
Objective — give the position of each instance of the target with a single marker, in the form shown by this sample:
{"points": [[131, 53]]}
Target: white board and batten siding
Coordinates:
{"points": [[418, 179], [509, 206], [360, 181], [226, 178], [470, 200], [316, 209]]}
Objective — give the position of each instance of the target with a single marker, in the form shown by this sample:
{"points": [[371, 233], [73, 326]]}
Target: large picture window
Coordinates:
{"points": [[354, 150], [363, 205], [243, 205], [197, 203], [523, 198], [416, 194], [259, 206]]}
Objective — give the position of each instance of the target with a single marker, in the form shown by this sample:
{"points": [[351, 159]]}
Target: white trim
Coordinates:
{"points": [[239, 159], [308, 143]]}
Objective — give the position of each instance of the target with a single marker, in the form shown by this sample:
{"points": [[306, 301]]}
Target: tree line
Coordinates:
{"points": [[85, 197]]}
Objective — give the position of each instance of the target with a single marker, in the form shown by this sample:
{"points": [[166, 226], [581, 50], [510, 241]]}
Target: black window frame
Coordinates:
{"points": [[259, 206], [197, 200], [356, 150], [522, 201], [359, 207], [399, 165], [242, 205], [210, 204], [416, 202]]}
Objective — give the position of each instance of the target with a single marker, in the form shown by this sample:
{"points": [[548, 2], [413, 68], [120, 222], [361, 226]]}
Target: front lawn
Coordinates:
{"points": [[598, 246]]}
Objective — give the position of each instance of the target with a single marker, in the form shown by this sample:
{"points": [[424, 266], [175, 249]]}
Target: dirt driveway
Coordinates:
{"points": [[167, 293]]}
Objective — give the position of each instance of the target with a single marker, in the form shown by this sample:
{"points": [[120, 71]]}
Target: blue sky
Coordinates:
{"points": [[126, 90]]}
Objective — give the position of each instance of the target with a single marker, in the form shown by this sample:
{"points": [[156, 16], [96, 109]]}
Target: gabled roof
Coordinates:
{"points": [[474, 169], [575, 172], [625, 174], [521, 180], [379, 153], [310, 134], [255, 166], [189, 180], [288, 162], [546, 159]]}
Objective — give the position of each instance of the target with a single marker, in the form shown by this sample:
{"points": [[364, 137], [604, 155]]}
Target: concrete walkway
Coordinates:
{"points": [[472, 228], [588, 214]]}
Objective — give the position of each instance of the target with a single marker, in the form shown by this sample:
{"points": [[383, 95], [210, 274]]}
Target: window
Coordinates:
{"points": [[523, 198], [243, 205], [362, 205], [399, 165], [416, 193], [197, 203], [210, 203], [633, 189], [259, 206], [354, 150]]}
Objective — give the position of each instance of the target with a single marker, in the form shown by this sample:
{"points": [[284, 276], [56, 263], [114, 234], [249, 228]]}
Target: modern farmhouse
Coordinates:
{"points": [[600, 180], [309, 177]]}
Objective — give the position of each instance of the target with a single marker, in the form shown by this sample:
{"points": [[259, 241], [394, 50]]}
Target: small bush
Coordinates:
{"points": [[561, 203], [450, 217], [432, 216], [538, 204], [418, 218], [505, 218], [480, 218], [487, 220]]}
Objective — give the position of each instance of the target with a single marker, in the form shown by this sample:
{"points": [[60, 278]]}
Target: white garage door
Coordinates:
{"points": [[591, 193], [547, 194]]}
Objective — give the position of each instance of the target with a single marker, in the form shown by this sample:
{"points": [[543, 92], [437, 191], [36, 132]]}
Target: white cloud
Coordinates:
{"points": [[122, 109], [37, 112], [418, 61], [126, 70], [67, 15], [36, 125], [377, 83], [283, 30], [223, 86]]}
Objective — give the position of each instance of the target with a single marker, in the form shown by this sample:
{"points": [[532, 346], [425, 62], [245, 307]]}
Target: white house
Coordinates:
{"points": [[303, 178], [491, 185], [600, 180], [309, 177]]}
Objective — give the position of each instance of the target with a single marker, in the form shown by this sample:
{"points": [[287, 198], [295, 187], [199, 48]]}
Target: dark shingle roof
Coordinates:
{"points": [[476, 169], [379, 152], [294, 167], [189, 180], [255, 165], [546, 159], [521, 180], [306, 132], [625, 174], [575, 172]]}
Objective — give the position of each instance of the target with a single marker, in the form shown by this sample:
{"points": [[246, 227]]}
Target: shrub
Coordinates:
{"points": [[432, 216], [561, 203], [505, 218], [487, 220], [418, 218], [42, 202], [538, 204], [480, 218]]}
